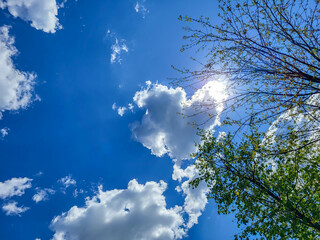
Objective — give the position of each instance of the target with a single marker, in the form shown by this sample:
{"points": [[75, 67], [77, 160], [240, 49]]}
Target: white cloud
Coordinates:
{"points": [[305, 124], [163, 130], [14, 187], [42, 14], [302, 122], [122, 110], [141, 8], [43, 194], [40, 173], [67, 181], [62, 4], [11, 209], [136, 7], [114, 106], [4, 132], [196, 199], [16, 87], [130, 106], [76, 192], [136, 213], [148, 83], [117, 48]]}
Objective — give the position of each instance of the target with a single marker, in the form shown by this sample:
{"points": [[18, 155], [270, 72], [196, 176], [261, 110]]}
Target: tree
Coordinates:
{"points": [[268, 52], [272, 197], [267, 170]]}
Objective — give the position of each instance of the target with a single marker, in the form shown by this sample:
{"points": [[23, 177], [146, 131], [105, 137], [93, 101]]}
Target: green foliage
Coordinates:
{"points": [[268, 52], [272, 197]]}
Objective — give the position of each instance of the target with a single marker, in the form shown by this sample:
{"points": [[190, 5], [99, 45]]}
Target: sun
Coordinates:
{"points": [[217, 89]]}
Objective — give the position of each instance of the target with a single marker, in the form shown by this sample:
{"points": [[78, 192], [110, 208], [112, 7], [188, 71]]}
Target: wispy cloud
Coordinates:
{"points": [[118, 47], [76, 192], [11, 209], [122, 109], [4, 132], [67, 181], [43, 194], [141, 8]]}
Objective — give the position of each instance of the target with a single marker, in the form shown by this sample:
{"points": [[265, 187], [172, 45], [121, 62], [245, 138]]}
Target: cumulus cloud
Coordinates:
{"points": [[16, 87], [136, 213], [41, 14], [43, 194], [163, 130], [11, 209], [141, 8], [117, 48], [195, 199], [67, 181], [14, 187]]}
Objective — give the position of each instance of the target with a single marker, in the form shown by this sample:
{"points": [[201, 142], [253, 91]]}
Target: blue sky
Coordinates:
{"points": [[86, 105]]}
